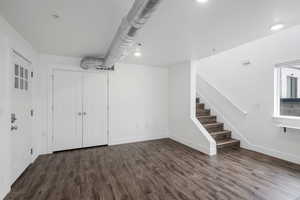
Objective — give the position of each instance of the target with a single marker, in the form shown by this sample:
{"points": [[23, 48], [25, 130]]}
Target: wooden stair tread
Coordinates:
{"points": [[213, 124], [203, 110], [214, 127], [220, 132], [221, 135], [228, 143], [207, 117]]}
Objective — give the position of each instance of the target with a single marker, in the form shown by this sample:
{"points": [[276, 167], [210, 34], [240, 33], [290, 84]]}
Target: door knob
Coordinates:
{"points": [[12, 128], [84, 113], [79, 113]]}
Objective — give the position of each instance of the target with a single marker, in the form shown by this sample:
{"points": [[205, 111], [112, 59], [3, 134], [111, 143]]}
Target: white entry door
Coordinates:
{"points": [[67, 112], [94, 109], [21, 122], [80, 110]]}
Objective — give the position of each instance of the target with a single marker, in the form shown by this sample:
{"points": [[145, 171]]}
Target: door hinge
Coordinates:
{"points": [[31, 112], [31, 74], [31, 151]]}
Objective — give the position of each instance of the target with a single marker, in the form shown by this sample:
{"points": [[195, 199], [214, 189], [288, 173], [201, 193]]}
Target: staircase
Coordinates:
{"points": [[215, 128]]}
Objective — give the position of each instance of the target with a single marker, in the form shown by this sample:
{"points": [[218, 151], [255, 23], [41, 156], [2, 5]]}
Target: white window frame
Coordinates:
{"points": [[277, 87]]}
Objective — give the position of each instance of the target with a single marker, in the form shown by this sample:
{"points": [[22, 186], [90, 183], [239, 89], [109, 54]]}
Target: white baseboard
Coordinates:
{"points": [[192, 145], [4, 193], [35, 157], [136, 139], [271, 152], [8, 189]]}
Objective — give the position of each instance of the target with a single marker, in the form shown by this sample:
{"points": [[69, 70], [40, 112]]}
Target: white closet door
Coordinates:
{"points": [[67, 114], [95, 109]]}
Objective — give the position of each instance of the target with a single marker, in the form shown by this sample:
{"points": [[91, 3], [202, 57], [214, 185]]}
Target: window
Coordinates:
{"points": [[21, 79], [16, 76], [287, 94]]}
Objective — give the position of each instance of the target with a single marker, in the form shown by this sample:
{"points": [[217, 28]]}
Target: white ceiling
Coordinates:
{"points": [[179, 30]]}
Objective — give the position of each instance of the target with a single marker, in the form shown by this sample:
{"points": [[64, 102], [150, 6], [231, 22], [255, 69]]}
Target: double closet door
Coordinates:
{"points": [[79, 109]]}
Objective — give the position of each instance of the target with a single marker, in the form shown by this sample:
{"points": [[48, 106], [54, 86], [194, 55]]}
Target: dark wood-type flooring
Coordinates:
{"points": [[161, 169]]}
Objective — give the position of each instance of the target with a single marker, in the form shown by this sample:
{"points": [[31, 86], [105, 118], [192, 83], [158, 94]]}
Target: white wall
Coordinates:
{"points": [[138, 97], [183, 125], [251, 87], [9, 39], [138, 103]]}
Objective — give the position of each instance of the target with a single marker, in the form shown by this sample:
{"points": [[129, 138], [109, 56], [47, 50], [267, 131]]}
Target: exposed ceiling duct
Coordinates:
{"points": [[91, 62], [125, 37], [94, 63]]}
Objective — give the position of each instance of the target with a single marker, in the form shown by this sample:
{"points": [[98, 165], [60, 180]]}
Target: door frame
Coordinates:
{"points": [[70, 68]]}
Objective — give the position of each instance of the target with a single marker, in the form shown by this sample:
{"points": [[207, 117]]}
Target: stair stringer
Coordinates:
{"points": [[194, 133], [200, 127]]}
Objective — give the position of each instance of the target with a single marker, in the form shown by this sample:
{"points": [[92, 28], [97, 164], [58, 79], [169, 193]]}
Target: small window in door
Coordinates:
{"points": [[21, 84], [26, 85], [16, 82], [22, 72], [16, 70], [26, 74]]}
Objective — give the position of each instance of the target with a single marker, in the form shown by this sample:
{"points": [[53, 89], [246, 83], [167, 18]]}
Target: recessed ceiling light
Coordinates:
{"points": [[137, 54], [277, 27], [201, 1]]}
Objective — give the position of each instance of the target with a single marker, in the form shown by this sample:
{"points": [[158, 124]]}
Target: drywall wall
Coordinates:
{"points": [[138, 97], [138, 101], [251, 87], [183, 125], [9, 39]]}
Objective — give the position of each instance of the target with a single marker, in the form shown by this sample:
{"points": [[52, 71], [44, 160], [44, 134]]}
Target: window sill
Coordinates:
{"points": [[287, 122], [286, 117]]}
